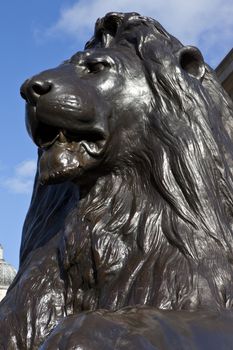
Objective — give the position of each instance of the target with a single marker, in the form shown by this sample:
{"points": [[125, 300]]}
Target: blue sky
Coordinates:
{"points": [[36, 35]]}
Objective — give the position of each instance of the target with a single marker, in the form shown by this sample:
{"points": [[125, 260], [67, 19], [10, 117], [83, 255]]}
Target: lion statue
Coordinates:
{"points": [[128, 239]]}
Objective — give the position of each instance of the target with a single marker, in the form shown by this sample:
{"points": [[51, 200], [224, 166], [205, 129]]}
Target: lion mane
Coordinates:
{"points": [[156, 229], [162, 222]]}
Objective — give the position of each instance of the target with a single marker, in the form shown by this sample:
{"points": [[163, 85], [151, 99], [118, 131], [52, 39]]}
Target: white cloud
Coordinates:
{"points": [[26, 168], [18, 185], [22, 180], [206, 23]]}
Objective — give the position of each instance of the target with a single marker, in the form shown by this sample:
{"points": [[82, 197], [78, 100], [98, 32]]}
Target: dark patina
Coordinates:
{"points": [[128, 240]]}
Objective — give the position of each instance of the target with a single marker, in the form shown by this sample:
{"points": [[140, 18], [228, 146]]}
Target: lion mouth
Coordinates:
{"points": [[92, 140]]}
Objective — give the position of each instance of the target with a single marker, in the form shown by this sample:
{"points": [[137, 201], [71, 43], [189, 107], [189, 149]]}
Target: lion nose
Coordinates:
{"points": [[32, 89]]}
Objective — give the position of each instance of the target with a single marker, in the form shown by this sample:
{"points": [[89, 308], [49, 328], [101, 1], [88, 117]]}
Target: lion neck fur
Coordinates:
{"points": [[120, 251]]}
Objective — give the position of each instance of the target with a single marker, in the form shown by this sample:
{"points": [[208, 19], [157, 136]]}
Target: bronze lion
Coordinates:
{"points": [[128, 240]]}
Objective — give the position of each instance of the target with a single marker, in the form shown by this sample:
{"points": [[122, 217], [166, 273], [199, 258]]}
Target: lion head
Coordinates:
{"points": [[135, 137], [78, 122]]}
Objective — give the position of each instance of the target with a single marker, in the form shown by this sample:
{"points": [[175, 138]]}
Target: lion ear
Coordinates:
{"points": [[191, 60]]}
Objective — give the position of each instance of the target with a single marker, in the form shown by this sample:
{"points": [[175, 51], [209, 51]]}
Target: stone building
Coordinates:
{"points": [[224, 73], [7, 274]]}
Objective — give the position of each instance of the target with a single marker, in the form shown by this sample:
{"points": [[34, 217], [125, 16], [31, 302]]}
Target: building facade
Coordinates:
{"points": [[7, 274], [224, 73]]}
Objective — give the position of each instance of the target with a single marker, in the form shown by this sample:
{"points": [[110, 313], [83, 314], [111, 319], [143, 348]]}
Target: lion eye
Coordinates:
{"points": [[95, 67]]}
